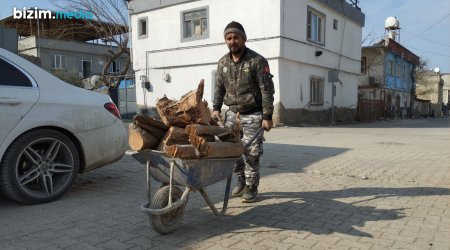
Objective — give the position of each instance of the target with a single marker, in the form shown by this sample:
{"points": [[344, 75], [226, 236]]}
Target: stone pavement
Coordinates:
{"points": [[382, 185]]}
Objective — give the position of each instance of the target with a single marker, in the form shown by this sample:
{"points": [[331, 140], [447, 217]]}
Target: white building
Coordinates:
{"points": [[175, 44]]}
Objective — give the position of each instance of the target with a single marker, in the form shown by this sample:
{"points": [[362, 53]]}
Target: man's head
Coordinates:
{"points": [[235, 37]]}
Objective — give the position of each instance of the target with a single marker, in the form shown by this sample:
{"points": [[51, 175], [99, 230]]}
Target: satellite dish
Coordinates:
{"points": [[391, 23], [436, 70], [92, 82]]}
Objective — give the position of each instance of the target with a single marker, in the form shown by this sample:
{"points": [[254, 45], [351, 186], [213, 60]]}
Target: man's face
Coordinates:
{"points": [[235, 43]]}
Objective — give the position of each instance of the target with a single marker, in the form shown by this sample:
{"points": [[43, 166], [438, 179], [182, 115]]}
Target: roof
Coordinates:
{"points": [[396, 48], [63, 29]]}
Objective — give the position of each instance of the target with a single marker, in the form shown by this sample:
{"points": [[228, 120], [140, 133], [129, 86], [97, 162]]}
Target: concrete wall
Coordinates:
{"points": [[8, 39], [164, 52], [73, 50], [275, 29]]}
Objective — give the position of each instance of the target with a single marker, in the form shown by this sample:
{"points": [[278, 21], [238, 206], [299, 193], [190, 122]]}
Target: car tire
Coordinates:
{"points": [[39, 167]]}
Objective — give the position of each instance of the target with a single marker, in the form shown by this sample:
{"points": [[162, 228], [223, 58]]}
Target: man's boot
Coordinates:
{"points": [[250, 194], [238, 190]]}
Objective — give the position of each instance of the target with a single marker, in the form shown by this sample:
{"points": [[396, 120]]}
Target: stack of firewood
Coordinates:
{"points": [[187, 130]]}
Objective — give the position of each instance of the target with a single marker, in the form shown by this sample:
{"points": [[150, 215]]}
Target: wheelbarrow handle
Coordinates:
{"points": [[258, 132]]}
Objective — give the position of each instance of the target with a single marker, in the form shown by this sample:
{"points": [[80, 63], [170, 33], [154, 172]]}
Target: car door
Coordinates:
{"points": [[18, 93]]}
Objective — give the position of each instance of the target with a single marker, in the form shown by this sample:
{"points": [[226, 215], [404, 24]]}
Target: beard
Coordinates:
{"points": [[235, 50]]}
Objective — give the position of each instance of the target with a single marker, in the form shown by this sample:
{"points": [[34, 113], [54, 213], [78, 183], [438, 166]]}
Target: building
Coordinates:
{"points": [[8, 39], [175, 44], [64, 46], [435, 87], [386, 88]]}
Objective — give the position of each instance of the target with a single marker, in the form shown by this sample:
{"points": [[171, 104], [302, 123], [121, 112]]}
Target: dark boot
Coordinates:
{"points": [[238, 190], [250, 194]]}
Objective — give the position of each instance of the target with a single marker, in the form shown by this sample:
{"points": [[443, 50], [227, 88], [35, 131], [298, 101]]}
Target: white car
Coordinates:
{"points": [[50, 131]]}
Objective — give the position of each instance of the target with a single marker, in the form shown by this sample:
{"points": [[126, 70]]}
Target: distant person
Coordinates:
{"points": [[244, 84]]}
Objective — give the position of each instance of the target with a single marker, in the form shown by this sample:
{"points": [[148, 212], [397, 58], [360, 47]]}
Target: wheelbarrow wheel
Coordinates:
{"points": [[168, 222]]}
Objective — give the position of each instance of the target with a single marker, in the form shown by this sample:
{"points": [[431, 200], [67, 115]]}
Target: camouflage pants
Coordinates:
{"points": [[248, 166]]}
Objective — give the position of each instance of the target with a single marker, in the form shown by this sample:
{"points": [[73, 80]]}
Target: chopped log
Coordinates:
{"points": [[156, 132], [223, 134], [181, 151], [139, 139], [223, 149], [175, 135], [190, 109], [151, 121]]}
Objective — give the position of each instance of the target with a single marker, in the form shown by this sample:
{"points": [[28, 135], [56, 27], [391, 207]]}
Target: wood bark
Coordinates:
{"points": [[151, 121], [190, 109], [223, 149], [181, 151], [139, 139], [156, 132], [173, 136]]}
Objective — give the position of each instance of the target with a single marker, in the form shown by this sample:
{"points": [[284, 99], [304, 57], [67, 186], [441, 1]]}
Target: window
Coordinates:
{"points": [[114, 67], [316, 91], [194, 24], [58, 61], [399, 70], [315, 26], [390, 68], [404, 72], [142, 27], [12, 76], [363, 65]]}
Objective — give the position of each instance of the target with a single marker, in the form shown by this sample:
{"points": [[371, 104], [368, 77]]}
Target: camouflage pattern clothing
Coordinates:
{"points": [[246, 85], [248, 166]]}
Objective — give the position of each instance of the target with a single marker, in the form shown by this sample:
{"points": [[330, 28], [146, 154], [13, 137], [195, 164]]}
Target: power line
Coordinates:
{"points": [[442, 44], [436, 23], [430, 52]]}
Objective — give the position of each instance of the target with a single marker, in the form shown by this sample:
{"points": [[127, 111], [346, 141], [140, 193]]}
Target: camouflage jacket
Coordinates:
{"points": [[246, 85]]}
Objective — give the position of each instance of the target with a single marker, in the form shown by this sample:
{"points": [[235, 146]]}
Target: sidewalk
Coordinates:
{"points": [[382, 185]]}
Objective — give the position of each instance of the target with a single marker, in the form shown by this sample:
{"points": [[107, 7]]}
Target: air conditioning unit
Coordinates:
{"points": [[374, 80]]}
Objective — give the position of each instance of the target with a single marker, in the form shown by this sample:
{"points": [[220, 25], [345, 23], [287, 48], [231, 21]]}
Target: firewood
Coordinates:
{"points": [[190, 109], [139, 139], [222, 149], [181, 151], [156, 132], [173, 136], [151, 121]]}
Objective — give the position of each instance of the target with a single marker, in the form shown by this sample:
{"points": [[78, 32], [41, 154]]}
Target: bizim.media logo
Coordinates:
{"points": [[48, 14]]}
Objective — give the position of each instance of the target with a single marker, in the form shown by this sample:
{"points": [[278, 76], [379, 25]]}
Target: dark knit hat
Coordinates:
{"points": [[235, 27]]}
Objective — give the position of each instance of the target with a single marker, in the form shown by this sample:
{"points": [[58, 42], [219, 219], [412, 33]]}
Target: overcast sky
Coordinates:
{"points": [[425, 24]]}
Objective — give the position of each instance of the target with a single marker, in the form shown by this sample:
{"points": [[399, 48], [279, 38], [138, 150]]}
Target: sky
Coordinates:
{"points": [[425, 25]]}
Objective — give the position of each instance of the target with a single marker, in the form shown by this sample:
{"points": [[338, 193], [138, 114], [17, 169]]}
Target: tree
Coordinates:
{"points": [[424, 87], [110, 18]]}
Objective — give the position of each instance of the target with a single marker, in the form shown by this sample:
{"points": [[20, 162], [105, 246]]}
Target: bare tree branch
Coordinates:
{"points": [[110, 23]]}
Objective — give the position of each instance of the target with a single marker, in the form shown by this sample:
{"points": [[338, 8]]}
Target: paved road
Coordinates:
{"points": [[380, 185]]}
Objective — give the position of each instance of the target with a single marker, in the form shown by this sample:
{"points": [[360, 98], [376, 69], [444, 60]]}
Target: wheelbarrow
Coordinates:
{"points": [[166, 207]]}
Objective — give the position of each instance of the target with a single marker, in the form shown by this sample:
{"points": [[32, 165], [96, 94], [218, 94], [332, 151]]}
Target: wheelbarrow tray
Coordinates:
{"points": [[192, 173]]}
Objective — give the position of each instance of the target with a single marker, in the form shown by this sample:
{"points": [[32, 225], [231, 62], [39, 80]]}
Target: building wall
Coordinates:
{"points": [[73, 51], [163, 52], [8, 39], [275, 29], [397, 81]]}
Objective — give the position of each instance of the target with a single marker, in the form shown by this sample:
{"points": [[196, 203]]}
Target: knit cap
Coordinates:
{"points": [[235, 27]]}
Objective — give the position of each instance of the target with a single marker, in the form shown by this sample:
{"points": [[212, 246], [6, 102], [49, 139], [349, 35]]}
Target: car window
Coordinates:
{"points": [[11, 76]]}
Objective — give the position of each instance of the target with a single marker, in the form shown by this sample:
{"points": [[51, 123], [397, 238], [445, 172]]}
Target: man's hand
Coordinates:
{"points": [[216, 115], [267, 125]]}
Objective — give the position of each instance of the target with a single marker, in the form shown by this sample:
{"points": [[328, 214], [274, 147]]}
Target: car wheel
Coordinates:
{"points": [[39, 167]]}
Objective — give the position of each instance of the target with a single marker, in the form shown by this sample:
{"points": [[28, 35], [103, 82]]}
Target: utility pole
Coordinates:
{"points": [[332, 77]]}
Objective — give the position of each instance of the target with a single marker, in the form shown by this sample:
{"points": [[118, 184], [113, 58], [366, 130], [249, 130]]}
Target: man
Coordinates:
{"points": [[244, 83]]}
